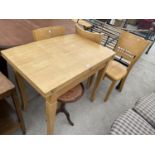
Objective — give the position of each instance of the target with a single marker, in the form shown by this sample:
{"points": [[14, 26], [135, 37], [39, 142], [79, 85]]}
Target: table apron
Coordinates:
{"points": [[61, 90]]}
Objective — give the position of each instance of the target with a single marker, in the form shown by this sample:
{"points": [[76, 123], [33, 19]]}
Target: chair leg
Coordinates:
{"points": [[109, 90], [18, 111], [122, 83], [118, 85], [63, 109]]}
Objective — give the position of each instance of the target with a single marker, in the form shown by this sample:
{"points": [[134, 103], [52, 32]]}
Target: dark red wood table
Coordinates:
{"points": [[14, 32]]}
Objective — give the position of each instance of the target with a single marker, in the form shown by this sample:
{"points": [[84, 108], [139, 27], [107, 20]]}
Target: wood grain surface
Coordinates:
{"points": [[50, 63]]}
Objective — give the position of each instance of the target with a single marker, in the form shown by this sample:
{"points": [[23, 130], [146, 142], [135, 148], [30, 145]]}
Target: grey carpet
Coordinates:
{"points": [[93, 118]]}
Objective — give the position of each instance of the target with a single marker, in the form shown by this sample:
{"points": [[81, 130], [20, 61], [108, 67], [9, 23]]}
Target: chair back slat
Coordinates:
{"points": [[130, 46], [48, 32], [125, 54], [133, 43]]}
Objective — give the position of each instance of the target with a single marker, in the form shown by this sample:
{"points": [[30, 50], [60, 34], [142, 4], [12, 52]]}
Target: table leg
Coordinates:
{"points": [[51, 106], [22, 90], [99, 78], [90, 81]]}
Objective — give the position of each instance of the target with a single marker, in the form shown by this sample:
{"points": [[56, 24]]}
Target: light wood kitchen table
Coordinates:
{"points": [[54, 66]]}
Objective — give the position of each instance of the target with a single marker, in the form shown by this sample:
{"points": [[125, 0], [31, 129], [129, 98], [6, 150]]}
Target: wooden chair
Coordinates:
{"points": [[86, 25], [8, 118], [128, 50], [93, 36], [73, 94], [96, 37], [48, 32]]}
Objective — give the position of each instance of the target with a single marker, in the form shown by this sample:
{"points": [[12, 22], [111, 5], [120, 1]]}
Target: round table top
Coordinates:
{"points": [[15, 32]]}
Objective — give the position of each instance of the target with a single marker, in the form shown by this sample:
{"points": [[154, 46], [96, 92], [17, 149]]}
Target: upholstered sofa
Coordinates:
{"points": [[140, 120]]}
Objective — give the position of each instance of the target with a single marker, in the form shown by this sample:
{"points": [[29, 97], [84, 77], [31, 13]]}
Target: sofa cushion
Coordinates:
{"points": [[130, 123], [145, 107]]}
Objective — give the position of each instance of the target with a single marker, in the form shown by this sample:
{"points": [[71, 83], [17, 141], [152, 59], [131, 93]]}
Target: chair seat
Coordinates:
{"points": [[116, 70], [72, 95], [5, 84]]}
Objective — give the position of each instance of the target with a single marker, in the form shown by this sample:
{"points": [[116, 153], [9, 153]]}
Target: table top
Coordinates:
{"points": [[50, 63]]}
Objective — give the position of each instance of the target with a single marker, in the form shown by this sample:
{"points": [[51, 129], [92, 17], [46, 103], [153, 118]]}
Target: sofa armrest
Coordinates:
{"points": [[130, 123], [145, 107]]}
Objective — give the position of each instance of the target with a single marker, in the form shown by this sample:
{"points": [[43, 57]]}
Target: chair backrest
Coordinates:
{"points": [[96, 37], [48, 32], [130, 46]]}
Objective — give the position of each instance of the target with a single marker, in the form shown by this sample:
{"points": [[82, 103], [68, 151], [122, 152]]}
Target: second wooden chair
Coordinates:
{"points": [[128, 50]]}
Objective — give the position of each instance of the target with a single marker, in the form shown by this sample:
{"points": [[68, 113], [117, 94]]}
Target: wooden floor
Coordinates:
{"points": [[19, 31]]}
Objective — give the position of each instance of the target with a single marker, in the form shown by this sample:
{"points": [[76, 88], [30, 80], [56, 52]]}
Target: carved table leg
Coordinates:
{"points": [[51, 106], [97, 82], [90, 81]]}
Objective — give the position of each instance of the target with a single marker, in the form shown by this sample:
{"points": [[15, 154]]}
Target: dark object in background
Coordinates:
{"points": [[146, 24], [105, 20], [3, 66], [3, 63]]}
